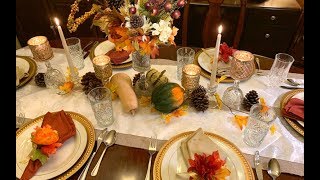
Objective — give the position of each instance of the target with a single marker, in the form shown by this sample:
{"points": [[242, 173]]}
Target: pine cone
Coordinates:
{"points": [[250, 99], [39, 79], [136, 21], [200, 99], [90, 81], [115, 3], [135, 79]]}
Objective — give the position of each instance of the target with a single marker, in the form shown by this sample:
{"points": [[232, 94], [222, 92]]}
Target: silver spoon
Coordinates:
{"points": [[293, 82], [99, 141], [108, 140], [274, 168]]}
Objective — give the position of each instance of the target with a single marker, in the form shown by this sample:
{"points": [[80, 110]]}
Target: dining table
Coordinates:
{"points": [[128, 158]]}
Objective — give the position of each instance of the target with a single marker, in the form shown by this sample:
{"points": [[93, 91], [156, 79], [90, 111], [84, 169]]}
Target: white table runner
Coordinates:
{"points": [[285, 144]]}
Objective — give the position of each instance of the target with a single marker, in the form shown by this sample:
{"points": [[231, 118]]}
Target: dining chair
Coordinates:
{"points": [[211, 23]]}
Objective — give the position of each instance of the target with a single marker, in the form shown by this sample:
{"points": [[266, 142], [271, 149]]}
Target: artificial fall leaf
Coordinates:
{"points": [[44, 135], [150, 48], [181, 111], [264, 108], [218, 99], [273, 129], [241, 120], [166, 117], [207, 166], [145, 101], [221, 78], [222, 173], [37, 154], [66, 87]]}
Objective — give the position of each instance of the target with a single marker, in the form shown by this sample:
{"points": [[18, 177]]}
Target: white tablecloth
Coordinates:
{"points": [[285, 144]]}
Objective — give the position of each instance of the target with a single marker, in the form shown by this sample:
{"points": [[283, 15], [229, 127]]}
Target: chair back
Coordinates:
{"points": [[212, 22]]}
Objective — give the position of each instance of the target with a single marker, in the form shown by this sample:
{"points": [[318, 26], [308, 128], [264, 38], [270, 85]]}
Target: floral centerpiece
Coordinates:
{"points": [[140, 26]]}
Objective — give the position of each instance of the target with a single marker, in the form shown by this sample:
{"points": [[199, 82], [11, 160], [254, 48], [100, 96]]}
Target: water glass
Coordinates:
{"points": [[280, 69], [76, 52], [101, 103], [185, 55], [258, 125]]}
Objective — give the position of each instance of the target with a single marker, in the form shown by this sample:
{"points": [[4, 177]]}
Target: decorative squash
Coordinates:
{"points": [[156, 78], [167, 97], [125, 92]]}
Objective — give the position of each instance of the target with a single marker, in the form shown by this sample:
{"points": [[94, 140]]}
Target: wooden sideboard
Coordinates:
{"points": [[270, 27]]}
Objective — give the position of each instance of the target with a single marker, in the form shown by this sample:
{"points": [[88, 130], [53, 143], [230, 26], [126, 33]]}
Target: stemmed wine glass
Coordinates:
{"points": [[242, 68], [42, 52]]}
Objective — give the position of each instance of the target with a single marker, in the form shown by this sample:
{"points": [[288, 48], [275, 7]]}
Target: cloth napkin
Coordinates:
{"points": [[198, 143], [65, 126], [294, 109]]}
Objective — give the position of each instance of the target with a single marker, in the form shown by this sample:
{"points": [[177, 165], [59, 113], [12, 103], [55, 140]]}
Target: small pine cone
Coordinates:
{"points": [[199, 91], [250, 99], [136, 21], [90, 81], [135, 79], [200, 103]]}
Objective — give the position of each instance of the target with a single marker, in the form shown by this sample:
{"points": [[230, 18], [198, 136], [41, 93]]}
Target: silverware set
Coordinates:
{"points": [[108, 138], [273, 167]]}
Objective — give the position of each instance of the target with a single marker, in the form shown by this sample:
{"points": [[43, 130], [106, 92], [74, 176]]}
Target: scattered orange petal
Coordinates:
{"points": [[221, 78], [273, 129], [264, 108], [222, 173], [66, 87], [241, 120]]}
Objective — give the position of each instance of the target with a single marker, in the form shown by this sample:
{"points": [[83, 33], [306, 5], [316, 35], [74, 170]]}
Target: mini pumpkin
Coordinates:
{"points": [[167, 97]]}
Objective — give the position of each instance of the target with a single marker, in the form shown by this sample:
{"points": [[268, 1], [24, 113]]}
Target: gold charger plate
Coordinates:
{"points": [[248, 174], [89, 146], [114, 66], [32, 71], [294, 124]]}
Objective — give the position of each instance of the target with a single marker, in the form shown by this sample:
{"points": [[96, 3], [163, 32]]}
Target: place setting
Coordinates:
{"points": [[26, 69]]}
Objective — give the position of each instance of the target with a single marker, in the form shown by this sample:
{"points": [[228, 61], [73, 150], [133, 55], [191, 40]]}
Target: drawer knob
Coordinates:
{"points": [[267, 35], [273, 18], [302, 59]]}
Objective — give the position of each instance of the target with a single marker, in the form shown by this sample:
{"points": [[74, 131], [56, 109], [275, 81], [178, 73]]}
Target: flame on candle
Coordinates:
{"points": [[220, 29], [56, 20]]}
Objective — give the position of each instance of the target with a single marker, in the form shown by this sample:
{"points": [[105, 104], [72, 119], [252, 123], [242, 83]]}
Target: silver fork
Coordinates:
{"points": [[152, 150]]}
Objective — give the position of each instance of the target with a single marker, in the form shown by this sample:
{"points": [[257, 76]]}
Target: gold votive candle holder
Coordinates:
{"points": [[102, 67], [40, 48], [190, 76]]}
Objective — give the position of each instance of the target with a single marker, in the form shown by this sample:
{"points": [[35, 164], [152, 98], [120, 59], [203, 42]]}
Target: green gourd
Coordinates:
{"points": [[167, 97]]}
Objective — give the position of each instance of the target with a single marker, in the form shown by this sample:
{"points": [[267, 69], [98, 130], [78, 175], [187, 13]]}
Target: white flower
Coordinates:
{"points": [[144, 38], [158, 28], [165, 34], [127, 20], [146, 25]]}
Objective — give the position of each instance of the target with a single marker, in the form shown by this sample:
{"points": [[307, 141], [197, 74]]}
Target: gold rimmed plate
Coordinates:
{"points": [[103, 48], [32, 69], [203, 60], [297, 126], [69, 158], [166, 164]]}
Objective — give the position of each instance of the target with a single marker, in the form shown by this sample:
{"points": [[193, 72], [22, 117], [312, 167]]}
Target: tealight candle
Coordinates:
{"points": [[40, 48], [190, 76]]}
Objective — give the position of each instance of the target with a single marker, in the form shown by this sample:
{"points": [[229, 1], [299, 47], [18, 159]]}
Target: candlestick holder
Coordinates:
{"points": [[211, 90], [42, 52], [242, 67], [102, 68]]}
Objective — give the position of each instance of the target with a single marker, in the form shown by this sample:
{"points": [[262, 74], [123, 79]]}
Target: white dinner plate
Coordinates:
{"points": [[168, 163], [105, 47], [22, 64], [65, 157], [300, 96], [204, 62]]}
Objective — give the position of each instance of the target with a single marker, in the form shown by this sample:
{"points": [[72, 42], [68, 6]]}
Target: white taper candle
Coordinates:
{"points": [[215, 59]]}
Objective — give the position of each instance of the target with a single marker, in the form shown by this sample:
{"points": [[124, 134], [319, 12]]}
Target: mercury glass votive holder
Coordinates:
{"points": [[40, 48], [102, 68], [190, 77]]}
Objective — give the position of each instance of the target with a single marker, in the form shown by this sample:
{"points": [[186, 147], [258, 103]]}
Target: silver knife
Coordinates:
{"points": [[291, 87], [258, 165]]}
